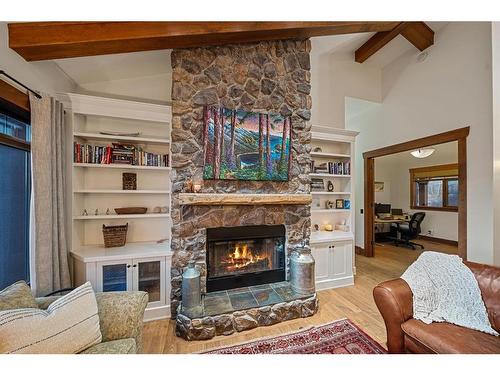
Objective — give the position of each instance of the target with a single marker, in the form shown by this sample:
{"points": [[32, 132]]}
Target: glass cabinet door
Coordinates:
{"points": [[115, 277], [150, 278]]}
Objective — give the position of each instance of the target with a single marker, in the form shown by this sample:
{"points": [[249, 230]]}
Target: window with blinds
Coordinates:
{"points": [[15, 188], [434, 188]]}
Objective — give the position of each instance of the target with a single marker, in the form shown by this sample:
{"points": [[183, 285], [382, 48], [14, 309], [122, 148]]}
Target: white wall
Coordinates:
{"points": [[449, 90], [495, 42], [154, 88], [393, 170], [335, 76], [41, 76]]}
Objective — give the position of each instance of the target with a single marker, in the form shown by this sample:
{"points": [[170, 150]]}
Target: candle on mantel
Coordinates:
{"points": [[329, 227], [196, 187]]}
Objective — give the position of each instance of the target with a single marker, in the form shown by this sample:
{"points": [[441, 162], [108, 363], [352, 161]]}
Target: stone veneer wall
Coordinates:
{"points": [[266, 77]]}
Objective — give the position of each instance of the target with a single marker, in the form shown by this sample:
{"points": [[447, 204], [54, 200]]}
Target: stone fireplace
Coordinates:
{"points": [[245, 256], [267, 77]]}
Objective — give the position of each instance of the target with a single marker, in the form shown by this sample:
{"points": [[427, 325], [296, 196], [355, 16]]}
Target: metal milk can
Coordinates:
{"points": [[191, 288], [302, 271]]}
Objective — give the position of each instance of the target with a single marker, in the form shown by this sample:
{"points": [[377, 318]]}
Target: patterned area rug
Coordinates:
{"points": [[339, 337]]}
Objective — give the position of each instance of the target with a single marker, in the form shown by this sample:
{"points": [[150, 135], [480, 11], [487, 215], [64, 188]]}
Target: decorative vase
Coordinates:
{"points": [[191, 291], [330, 186], [302, 271]]}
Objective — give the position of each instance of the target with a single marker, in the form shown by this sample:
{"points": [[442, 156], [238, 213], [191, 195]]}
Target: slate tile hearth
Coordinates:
{"points": [[243, 301], [267, 296], [216, 303]]}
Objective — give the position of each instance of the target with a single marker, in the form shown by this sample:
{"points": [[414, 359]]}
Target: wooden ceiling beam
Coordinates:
{"points": [[376, 42], [417, 33], [56, 40], [14, 96]]}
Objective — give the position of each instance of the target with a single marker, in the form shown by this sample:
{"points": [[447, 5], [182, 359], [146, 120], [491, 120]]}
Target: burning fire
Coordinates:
{"points": [[242, 257]]}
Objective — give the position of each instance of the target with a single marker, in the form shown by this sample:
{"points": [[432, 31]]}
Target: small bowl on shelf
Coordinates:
{"points": [[131, 210]]}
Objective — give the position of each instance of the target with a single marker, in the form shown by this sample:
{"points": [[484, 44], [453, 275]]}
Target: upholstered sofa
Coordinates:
{"points": [[394, 300], [120, 318]]}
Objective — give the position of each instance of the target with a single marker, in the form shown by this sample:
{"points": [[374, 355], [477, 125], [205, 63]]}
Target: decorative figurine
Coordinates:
{"points": [[85, 213], [108, 212], [330, 186], [96, 213], [330, 204]]}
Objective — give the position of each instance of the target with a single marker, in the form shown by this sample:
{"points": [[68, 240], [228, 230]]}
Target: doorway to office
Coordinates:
{"points": [[433, 188]]}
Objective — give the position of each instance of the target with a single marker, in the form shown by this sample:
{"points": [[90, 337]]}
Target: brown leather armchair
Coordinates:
{"points": [[394, 300]]}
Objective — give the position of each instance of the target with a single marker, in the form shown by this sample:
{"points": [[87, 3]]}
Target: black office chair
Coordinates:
{"points": [[407, 232]]}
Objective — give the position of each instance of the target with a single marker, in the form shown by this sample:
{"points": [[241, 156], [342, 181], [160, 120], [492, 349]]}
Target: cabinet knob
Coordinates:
{"points": [[135, 265], [128, 265]]}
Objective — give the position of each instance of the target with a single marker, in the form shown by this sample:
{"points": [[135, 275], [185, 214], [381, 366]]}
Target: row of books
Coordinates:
{"points": [[340, 167], [117, 154]]}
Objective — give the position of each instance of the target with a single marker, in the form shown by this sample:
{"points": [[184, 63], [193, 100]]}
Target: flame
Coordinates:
{"points": [[241, 257]]}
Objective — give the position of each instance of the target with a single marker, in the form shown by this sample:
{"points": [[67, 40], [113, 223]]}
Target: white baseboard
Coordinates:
{"points": [[334, 283], [156, 313]]}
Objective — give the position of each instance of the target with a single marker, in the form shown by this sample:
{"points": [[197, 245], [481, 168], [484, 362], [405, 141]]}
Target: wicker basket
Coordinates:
{"points": [[114, 235]]}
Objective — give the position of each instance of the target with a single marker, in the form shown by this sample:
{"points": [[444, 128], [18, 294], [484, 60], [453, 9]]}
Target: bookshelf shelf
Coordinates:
{"points": [[329, 210], [330, 175], [331, 193], [330, 155], [128, 139], [112, 217], [120, 166], [117, 191]]}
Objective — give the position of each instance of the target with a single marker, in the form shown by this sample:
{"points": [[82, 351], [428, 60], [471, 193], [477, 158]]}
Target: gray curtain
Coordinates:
{"points": [[49, 240]]}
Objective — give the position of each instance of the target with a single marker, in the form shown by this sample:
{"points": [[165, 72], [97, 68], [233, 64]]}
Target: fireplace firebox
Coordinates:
{"points": [[245, 256]]}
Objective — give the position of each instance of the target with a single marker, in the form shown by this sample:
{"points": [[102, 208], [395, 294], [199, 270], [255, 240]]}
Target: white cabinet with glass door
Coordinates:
{"points": [[147, 275], [133, 272]]}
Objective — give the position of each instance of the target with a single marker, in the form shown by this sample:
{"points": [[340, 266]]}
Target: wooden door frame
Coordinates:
{"points": [[459, 135]]}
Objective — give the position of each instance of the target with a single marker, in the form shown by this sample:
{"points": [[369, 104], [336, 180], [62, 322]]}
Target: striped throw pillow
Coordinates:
{"points": [[69, 325]]}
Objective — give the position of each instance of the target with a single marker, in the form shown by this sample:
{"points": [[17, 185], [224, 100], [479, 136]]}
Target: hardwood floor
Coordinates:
{"points": [[353, 302]]}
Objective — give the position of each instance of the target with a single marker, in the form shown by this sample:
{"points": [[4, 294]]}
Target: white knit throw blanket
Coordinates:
{"points": [[445, 290]]}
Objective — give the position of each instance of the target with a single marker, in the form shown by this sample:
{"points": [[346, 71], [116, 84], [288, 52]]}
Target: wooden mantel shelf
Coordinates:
{"points": [[209, 199]]}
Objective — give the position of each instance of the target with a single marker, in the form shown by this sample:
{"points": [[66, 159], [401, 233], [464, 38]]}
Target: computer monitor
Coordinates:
{"points": [[381, 208], [397, 211]]}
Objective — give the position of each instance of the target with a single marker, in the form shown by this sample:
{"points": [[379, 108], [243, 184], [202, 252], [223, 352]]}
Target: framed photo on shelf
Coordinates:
{"points": [[347, 204], [339, 204]]}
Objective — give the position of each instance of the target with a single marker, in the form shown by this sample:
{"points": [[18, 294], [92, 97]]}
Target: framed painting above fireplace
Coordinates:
{"points": [[242, 145]]}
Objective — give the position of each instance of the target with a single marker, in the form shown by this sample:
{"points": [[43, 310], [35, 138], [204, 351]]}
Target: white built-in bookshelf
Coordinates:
{"points": [[100, 187], [330, 145], [333, 250]]}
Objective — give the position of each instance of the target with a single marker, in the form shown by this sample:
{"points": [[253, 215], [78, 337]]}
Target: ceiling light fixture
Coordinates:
{"points": [[423, 152]]}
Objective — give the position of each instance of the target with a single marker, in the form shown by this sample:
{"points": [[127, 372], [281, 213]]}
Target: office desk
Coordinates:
{"points": [[394, 220], [390, 221]]}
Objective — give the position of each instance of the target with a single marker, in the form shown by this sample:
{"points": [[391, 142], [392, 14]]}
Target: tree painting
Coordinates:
{"points": [[241, 145]]}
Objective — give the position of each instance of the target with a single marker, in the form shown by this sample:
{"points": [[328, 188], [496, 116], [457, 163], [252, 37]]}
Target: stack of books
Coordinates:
{"points": [[123, 154], [118, 153], [321, 168], [317, 184], [83, 153], [341, 167]]}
